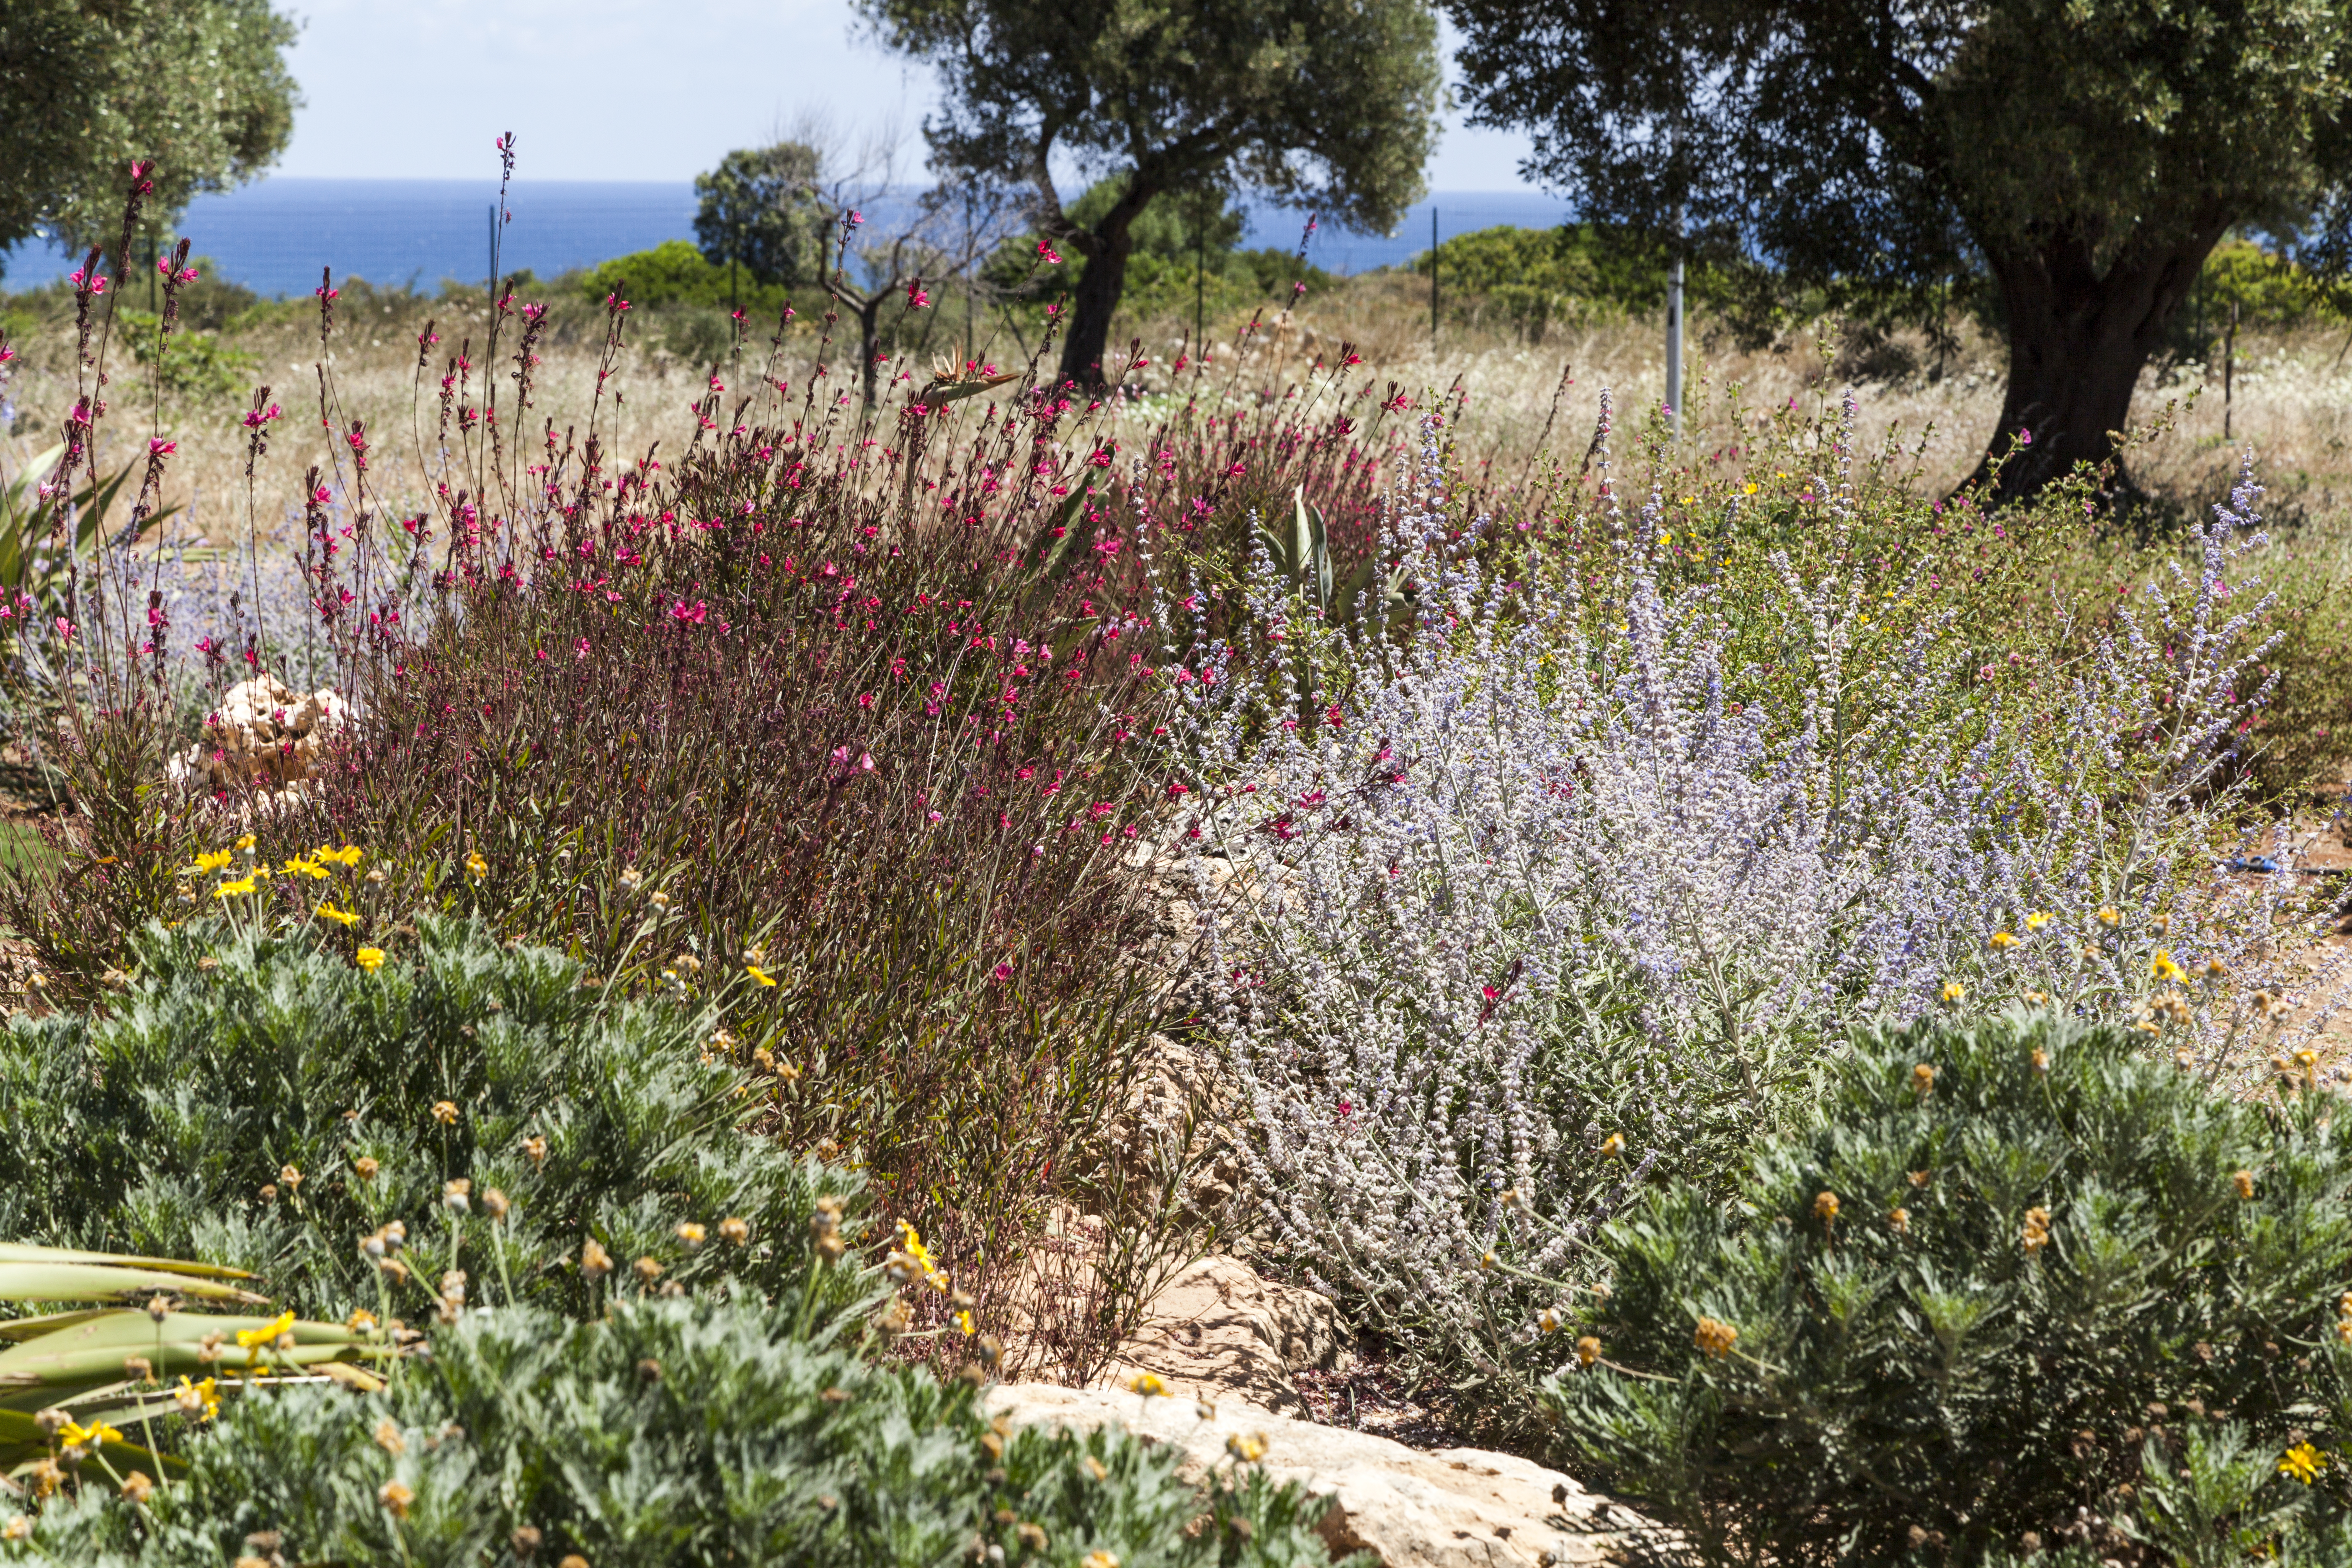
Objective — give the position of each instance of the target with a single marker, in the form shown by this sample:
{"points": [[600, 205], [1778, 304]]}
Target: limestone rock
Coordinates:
{"points": [[1219, 1330], [263, 732], [1458, 1508]]}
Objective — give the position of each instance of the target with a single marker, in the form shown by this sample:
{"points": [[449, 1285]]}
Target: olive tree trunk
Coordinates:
{"points": [[2078, 338]]}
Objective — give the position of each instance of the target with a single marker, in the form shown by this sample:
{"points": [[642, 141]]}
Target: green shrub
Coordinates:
{"points": [[674, 273], [225, 1109], [2016, 1268], [670, 1433], [190, 363]]}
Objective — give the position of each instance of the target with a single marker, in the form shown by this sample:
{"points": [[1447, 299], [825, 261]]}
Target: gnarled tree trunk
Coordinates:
{"points": [[1105, 247], [2078, 338]]}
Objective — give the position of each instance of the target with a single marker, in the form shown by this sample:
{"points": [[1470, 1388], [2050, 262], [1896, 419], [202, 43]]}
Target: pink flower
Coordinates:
{"points": [[65, 628], [159, 448], [1046, 253], [1004, 971], [916, 299], [681, 614]]}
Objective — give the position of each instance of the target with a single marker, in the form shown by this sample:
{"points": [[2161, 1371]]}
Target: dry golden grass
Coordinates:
{"points": [[2292, 403]]}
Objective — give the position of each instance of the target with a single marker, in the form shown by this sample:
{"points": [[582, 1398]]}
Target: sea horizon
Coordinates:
{"points": [[275, 235]]}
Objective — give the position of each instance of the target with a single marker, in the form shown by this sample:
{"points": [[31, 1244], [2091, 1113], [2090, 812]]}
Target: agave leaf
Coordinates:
{"points": [[28, 1252], [1320, 543], [21, 1442], [1059, 554], [95, 1282], [1302, 536], [940, 391], [21, 1329], [130, 1330], [102, 1371]]}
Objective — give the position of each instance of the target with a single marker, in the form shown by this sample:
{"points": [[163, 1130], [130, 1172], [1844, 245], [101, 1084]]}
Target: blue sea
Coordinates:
{"points": [[275, 235]]}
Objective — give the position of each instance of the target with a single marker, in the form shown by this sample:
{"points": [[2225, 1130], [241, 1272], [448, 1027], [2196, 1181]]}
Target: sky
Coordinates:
{"points": [[628, 90]]}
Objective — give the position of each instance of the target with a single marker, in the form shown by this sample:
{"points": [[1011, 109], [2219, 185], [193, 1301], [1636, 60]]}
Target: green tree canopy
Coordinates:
{"points": [[760, 210], [200, 87], [1331, 102], [2085, 155]]}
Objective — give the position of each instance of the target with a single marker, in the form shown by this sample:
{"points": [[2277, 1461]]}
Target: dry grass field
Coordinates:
{"points": [[2291, 407]]}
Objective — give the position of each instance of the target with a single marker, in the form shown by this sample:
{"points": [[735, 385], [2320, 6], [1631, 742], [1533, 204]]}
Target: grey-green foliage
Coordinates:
{"points": [[199, 88], [166, 1128], [1908, 1358], [670, 1434]]}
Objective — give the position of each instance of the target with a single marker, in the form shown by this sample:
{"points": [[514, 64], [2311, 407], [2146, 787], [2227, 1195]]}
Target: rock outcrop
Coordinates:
{"points": [[263, 733], [1457, 1507], [1220, 1331]]}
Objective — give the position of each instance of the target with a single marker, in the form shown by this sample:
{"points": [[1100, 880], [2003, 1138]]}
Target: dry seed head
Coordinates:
{"points": [[457, 1196], [136, 1487], [445, 1112], [397, 1498], [289, 1177], [1899, 1221], [365, 1167], [734, 1232], [1714, 1338], [495, 1203], [138, 1368], [2243, 1181], [1588, 1350], [1095, 1468], [648, 1270], [1825, 1206], [534, 1148], [525, 1542], [594, 1262], [388, 1437], [2041, 1060]]}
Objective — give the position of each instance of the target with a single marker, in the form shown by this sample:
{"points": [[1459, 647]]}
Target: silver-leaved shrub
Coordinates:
{"points": [[1551, 905]]}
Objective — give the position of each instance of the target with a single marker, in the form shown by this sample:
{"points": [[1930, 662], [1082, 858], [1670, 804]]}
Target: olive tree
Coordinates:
{"points": [[2085, 155], [199, 88], [1327, 102]]}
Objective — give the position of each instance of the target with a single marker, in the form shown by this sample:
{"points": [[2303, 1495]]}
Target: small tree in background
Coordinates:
{"points": [[760, 210], [200, 88], [1327, 101]]}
